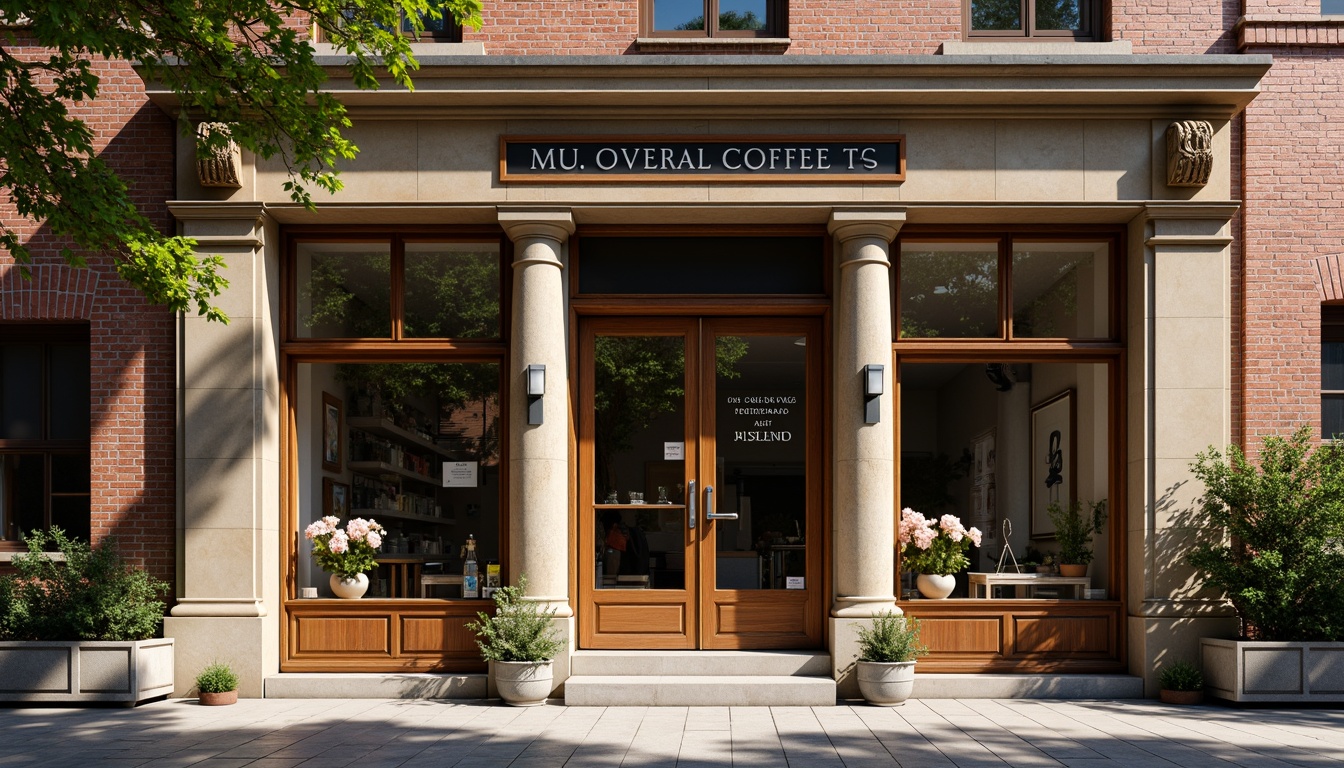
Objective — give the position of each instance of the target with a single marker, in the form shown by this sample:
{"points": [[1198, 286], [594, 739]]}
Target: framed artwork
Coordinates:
{"points": [[331, 433], [984, 457], [335, 498], [1052, 459]]}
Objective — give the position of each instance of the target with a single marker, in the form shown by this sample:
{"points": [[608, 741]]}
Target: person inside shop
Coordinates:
{"points": [[625, 546]]}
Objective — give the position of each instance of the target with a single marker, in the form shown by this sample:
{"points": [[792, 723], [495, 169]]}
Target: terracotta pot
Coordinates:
{"points": [[1072, 570], [350, 589], [1181, 697], [886, 683], [219, 699], [935, 586]]}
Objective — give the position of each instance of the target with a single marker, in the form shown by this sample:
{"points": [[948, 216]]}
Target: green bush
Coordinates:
{"points": [[891, 638], [518, 631], [92, 595], [1181, 676], [1281, 564], [217, 678], [1074, 530]]}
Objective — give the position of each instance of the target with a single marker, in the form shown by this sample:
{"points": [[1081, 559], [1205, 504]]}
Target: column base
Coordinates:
{"points": [[251, 646], [1165, 640]]}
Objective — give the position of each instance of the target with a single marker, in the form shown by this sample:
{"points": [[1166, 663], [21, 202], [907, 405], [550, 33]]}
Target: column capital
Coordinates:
{"points": [[550, 223], [846, 224]]}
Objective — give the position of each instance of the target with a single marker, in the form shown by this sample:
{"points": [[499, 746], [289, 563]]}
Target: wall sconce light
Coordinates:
{"points": [[873, 385], [536, 387]]}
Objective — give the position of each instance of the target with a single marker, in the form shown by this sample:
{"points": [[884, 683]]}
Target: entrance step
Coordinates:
{"points": [[699, 678], [325, 685], [988, 686]]}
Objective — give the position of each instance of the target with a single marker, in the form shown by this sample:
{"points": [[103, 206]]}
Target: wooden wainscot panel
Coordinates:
{"points": [[436, 634], [356, 635], [1063, 634], [968, 635], [760, 619], [640, 619]]}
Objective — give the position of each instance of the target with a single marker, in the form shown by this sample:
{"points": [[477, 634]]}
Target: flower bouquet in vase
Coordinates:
{"points": [[935, 548], [346, 553]]}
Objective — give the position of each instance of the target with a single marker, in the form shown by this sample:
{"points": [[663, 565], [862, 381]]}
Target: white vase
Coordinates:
{"points": [[523, 683], [350, 589], [886, 683], [936, 586]]}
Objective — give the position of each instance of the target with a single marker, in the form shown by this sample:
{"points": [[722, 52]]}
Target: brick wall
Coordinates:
{"points": [[132, 366]]}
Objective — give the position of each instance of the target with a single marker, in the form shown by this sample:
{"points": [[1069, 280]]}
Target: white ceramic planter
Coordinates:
{"points": [[523, 683], [1263, 670], [350, 589], [886, 683], [86, 671], [935, 586]]}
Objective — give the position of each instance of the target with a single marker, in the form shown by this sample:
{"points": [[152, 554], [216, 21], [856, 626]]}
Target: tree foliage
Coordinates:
{"points": [[1282, 566], [246, 63]]}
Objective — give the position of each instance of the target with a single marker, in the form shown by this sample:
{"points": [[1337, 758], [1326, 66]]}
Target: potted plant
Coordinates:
{"points": [[1182, 683], [520, 642], [935, 548], [1280, 565], [887, 654], [346, 553], [217, 685], [81, 627], [1073, 531]]}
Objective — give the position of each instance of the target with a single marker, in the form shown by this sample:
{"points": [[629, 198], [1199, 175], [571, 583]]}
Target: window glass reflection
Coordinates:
{"points": [[1061, 290], [996, 15], [345, 290], [949, 290], [452, 291]]}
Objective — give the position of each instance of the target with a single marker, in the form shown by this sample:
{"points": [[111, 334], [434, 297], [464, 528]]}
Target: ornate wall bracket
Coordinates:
{"points": [[1189, 153], [220, 166]]}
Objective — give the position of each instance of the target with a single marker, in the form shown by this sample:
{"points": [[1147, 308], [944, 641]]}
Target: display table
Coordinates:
{"points": [[982, 584]]}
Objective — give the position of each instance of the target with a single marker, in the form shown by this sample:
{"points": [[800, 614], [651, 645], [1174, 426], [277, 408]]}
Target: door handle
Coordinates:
{"points": [[710, 514], [691, 514]]}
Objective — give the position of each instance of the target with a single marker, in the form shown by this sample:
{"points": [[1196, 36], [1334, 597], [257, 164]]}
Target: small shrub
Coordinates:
{"points": [[519, 630], [1074, 530], [217, 678], [1181, 676], [92, 595], [891, 638]]}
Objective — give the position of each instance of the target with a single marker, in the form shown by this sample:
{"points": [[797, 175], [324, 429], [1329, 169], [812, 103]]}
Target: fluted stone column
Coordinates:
{"points": [[863, 505], [228, 601]]}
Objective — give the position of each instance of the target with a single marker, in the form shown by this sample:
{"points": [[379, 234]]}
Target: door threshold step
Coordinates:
{"points": [[699, 691], [701, 663], [1001, 686], [363, 685]]}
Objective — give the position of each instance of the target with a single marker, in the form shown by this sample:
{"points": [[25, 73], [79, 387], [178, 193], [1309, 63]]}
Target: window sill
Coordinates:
{"points": [[1035, 47], [8, 557], [679, 44], [418, 49]]}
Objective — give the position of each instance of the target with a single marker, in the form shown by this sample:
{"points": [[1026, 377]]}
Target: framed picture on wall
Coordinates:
{"points": [[331, 433], [335, 498], [1052, 459]]}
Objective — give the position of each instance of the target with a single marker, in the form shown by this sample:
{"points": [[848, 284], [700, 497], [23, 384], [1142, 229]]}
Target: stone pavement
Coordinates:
{"points": [[331, 733]]}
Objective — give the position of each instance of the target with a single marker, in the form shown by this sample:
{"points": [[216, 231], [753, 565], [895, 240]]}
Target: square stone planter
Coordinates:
{"points": [[86, 671], [1246, 670]]}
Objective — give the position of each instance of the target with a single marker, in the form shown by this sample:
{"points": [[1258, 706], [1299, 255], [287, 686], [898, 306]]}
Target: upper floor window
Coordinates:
{"points": [[1007, 19], [1332, 7], [713, 18], [439, 27], [1332, 371]]}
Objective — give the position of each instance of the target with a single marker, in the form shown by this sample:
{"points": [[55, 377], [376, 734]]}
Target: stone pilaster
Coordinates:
{"points": [[229, 459], [1179, 386], [863, 529]]}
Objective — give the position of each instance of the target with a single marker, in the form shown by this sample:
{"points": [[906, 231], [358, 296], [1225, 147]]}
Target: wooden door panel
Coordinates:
{"points": [[641, 619], [1063, 634], [963, 635], [337, 634]]}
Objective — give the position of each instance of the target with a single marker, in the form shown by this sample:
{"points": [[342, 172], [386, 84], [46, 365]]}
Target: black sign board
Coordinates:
{"points": [[792, 159]]}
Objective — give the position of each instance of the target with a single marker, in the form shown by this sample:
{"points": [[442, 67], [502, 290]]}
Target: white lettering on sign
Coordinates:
{"points": [[762, 437]]}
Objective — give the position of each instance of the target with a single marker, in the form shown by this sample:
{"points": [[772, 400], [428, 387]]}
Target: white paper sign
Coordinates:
{"points": [[794, 582], [674, 451], [459, 474]]}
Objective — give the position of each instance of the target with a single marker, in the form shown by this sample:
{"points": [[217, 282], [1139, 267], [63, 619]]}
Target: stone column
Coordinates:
{"points": [[1179, 404], [228, 463], [863, 529], [539, 545]]}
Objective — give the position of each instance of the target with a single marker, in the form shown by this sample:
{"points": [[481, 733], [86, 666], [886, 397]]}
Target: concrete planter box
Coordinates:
{"points": [[1245, 670], [87, 671]]}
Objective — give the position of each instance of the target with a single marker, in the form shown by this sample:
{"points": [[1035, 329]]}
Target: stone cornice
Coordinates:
{"points": [[1299, 30], [998, 85]]}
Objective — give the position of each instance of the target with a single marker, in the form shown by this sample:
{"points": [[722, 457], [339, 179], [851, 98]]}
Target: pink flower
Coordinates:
{"points": [[975, 534], [318, 528], [339, 543], [374, 540], [951, 525]]}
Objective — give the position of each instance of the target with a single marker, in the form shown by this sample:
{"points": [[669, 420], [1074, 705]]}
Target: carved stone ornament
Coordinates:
{"points": [[221, 167], [1189, 153]]}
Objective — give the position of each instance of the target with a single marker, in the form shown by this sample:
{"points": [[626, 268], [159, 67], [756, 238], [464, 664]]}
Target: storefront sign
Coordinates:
{"points": [[459, 474], [761, 418], [858, 159]]}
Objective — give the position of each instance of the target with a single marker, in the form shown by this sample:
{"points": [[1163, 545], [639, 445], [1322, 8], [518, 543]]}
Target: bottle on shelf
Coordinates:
{"points": [[471, 586]]}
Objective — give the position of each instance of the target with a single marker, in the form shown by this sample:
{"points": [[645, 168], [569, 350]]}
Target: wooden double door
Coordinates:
{"points": [[700, 483]]}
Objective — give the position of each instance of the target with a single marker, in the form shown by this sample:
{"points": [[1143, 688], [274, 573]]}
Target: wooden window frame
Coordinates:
{"points": [[1332, 331], [777, 24], [1093, 27], [48, 336]]}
